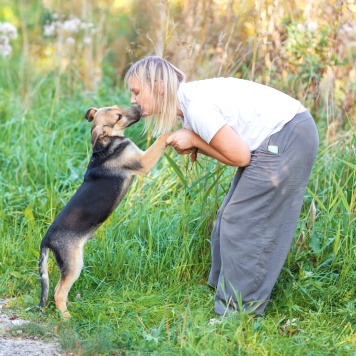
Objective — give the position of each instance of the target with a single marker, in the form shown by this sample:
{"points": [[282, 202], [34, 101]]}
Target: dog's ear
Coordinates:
{"points": [[98, 133], [90, 114]]}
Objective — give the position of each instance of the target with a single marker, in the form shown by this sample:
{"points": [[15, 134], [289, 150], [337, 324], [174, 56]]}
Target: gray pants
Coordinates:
{"points": [[255, 225]]}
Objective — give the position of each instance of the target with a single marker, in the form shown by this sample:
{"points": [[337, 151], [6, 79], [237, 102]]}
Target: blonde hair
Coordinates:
{"points": [[150, 72]]}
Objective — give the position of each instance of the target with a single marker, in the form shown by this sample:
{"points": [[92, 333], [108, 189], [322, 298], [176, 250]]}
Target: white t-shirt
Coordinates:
{"points": [[253, 110]]}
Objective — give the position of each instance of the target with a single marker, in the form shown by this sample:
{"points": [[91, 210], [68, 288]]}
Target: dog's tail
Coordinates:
{"points": [[43, 270]]}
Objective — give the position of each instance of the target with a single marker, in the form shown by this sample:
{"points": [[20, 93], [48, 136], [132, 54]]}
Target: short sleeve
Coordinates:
{"points": [[204, 119]]}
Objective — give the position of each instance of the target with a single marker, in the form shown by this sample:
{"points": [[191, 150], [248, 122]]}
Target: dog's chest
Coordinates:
{"points": [[123, 160]]}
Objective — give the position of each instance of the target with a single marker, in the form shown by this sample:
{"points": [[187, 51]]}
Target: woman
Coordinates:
{"points": [[273, 140]]}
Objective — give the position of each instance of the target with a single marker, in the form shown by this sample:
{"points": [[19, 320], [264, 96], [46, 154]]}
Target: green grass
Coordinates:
{"points": [[143, 289]]}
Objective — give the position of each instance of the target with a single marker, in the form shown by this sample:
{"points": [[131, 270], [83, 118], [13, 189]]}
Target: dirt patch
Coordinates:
{"points": [[10, 325]]}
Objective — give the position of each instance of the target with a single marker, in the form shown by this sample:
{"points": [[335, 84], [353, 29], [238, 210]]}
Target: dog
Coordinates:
{"points": [[114, 162]]}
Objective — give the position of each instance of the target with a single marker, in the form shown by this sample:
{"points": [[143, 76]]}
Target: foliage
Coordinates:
{"points": [[143, 288]]}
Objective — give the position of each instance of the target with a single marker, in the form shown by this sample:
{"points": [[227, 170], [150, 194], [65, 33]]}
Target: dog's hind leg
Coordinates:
{"points": [[70, 264]]}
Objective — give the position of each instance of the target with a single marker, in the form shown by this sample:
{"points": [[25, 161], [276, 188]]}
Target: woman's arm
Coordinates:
{"points": [[226, 146]]}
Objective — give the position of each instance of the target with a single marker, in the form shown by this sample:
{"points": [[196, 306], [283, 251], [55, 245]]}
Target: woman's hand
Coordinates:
{"points": [[182, 141], [226, 146]]}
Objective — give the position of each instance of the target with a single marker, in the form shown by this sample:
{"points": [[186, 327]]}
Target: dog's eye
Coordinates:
{"points": [[119, 117]]}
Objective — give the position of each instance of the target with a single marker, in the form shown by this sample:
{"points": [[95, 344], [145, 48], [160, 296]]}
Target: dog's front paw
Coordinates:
{"points": [[163, 138]]}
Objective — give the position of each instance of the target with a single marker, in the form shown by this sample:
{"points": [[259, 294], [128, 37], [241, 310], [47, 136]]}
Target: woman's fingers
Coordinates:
{"points": [[181, 139]]}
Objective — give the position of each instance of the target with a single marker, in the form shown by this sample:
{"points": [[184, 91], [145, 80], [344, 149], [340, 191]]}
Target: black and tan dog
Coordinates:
{"points": [[114, 163]]}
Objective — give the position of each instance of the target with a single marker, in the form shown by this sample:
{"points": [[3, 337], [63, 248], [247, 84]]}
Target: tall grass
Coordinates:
{"points": [[143, 288]]}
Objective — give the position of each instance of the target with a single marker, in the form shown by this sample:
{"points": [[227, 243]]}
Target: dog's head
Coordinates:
{"points": [[111, 121]]}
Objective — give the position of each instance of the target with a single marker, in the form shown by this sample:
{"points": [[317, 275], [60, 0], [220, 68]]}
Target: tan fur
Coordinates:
{"points": [[65, 283], [147, 159]]}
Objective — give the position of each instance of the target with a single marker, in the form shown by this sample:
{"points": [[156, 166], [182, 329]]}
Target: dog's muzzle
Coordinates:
{"points": [[133, 115]]}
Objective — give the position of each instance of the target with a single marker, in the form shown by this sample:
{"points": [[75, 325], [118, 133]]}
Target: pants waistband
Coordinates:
{"points": [[305, 115]]}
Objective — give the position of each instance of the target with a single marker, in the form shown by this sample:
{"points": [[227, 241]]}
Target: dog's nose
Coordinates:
{"points": [[133, 112], [138, 108]]}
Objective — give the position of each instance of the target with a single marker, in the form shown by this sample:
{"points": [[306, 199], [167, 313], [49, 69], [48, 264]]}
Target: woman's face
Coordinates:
{"points": [[142, 97]]}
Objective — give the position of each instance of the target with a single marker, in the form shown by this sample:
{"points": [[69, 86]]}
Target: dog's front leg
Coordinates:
{"points": [[151, 156]]}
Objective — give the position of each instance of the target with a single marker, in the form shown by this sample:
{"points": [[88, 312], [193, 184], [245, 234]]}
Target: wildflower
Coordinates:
{"points": [[71, 26], [4, 40], [47, 52], [348, 29], [5, 49], [300, 27], [214, 321], [312, 26], [8, 30], [49, 29], [86, 25], [87, 40], [70, 41]]}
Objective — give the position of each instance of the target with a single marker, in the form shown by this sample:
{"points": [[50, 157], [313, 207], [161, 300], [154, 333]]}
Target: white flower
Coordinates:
{"points": [[5, 50], [71, 26], [49, 29], [214, 321], [47, 52], [70, 41], [348, 29], [86, 25], [312, 26], [9, 30], [87, 40], [300, 27], [4, 40]]}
